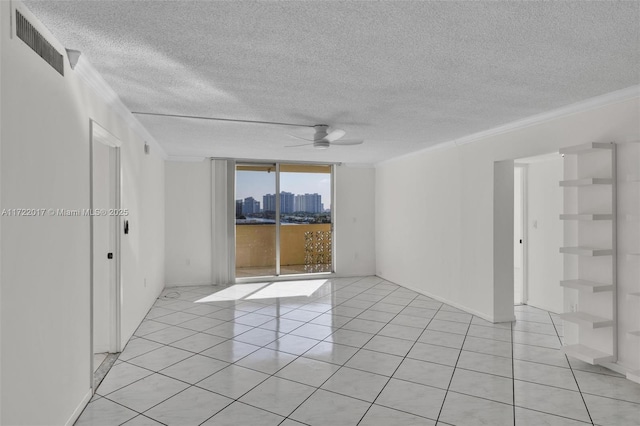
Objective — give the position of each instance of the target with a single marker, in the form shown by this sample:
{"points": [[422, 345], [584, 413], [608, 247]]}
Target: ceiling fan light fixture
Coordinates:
{"points": [[321, 144]]}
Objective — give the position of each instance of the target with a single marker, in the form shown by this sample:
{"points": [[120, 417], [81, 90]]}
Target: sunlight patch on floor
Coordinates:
{"points": [[266, 290]]}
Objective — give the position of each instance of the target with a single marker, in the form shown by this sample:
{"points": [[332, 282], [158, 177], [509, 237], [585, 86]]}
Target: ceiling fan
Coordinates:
{"points": [[322, 139]]}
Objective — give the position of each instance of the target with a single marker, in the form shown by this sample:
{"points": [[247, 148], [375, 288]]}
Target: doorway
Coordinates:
{"points": [[284, 219], [538, 203], [105, 249], [519, 231]]}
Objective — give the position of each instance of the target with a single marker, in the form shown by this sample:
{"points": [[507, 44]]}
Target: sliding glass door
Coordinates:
{"points": [[306, 239], [255, 222], [283, 219]]}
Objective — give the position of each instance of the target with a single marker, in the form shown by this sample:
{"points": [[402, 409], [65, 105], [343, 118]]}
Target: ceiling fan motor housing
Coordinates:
{"points": [[321, 144], [321, 132]]}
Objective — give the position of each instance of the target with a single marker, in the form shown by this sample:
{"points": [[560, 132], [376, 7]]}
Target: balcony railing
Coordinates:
{"points": [[303, 248]]}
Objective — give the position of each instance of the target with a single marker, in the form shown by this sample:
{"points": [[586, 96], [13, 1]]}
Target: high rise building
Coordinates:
{"points": [[286, 202], [308, 203], [269, 202], [250, 206], [238, 208]]}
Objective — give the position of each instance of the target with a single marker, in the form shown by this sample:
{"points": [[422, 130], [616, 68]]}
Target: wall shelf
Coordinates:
{"points": [[586, 354], [587, 286], [596, 334], [586, 319], [587, 216], [586, 251], [586, 148], [586, 182]]}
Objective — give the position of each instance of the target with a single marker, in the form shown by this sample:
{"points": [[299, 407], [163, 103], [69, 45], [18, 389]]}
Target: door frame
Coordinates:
{"points": [[99, 134], [277, 276]]}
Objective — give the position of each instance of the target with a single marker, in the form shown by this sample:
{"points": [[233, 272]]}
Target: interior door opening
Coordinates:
{"points": [[105, 259], [519, 260], [284, 219], [538, 203]]}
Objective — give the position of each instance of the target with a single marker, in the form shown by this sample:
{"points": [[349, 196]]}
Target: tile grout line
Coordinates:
{"points": [[572, 373], [454, 372]]}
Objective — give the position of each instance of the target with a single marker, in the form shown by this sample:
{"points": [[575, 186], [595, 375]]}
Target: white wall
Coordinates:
{"points": [[544, 232], [45, 304], [3, 15], [188, 223], [435, 212], [503, 208], [355, 221]]}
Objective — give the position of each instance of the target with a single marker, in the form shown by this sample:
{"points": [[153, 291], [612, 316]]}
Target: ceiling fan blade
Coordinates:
{"points": [[335, 135], [348, 142], [299, 137], [294, 146]]}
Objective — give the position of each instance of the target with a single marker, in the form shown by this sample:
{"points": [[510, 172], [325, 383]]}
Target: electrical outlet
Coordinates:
{"points": [[145, 282]]}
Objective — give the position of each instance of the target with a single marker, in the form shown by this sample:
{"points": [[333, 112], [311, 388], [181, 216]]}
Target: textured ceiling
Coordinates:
{"points": [[401, 75]]}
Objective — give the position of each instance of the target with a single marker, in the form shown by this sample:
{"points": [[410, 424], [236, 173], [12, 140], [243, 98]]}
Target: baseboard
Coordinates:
{"points": [[188, 285], [542, 306], [76, 413], [468, 310], [615, 367]]}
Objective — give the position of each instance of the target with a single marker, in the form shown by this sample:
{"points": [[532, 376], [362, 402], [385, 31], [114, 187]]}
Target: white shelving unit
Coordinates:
{"points": [[582, 318], [630, 181], [586, 182], [586, 251], [590, 248], [587, 354], [586, 216], [586, 286]]}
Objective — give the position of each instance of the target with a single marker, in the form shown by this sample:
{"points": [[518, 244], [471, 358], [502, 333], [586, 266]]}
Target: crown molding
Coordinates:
{"points": [[94, 80], [359, 165], [622, 95], [185, 159]]}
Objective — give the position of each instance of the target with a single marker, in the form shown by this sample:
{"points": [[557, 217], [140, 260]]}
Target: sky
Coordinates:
{"points": [[257, 184]]}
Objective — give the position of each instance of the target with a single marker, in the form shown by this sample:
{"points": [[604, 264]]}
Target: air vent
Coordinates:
{"points": [[35, 40]]}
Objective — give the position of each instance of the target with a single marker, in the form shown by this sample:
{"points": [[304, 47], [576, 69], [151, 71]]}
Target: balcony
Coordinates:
{"points": [[303, 249]]}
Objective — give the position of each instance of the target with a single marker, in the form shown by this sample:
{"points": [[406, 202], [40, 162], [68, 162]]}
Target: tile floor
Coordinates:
{"points": [[358, 351]]}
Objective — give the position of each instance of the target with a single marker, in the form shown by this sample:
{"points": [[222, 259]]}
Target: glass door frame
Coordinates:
{"points": [[278, 276]]}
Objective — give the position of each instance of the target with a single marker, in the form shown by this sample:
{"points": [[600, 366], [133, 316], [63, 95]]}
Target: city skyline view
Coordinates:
{"points": [[289, 203], [257, 184]]}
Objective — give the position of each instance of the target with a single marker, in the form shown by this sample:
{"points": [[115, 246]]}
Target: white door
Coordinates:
{"points": [[103, 233], [518, 236], [105, 243]]}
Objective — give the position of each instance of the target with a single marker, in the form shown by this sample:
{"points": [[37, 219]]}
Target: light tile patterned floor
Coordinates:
{"points": [[359, 351]]}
